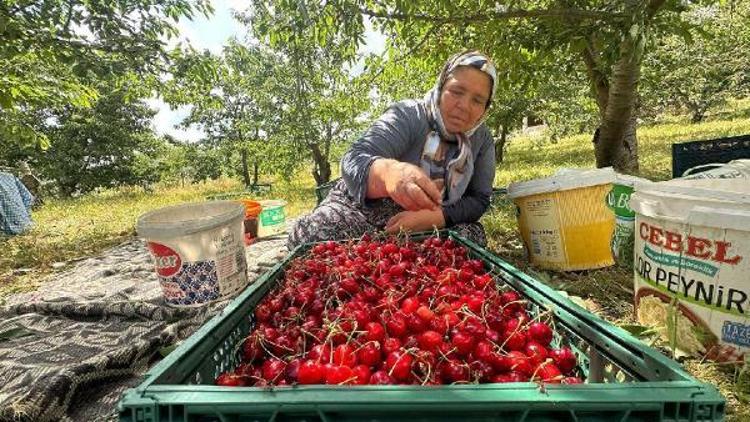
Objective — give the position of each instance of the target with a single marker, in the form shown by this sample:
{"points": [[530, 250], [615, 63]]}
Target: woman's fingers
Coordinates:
{"points": [[419, 197], [394, 224], [432, 192], [403, 197], [411, 188], [412, 197]]}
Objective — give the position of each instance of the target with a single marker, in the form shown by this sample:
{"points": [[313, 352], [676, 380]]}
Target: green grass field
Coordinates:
{"points": [[75, 228]]}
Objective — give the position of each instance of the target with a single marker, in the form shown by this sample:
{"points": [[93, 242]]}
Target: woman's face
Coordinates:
{"points": [[463, 99]]}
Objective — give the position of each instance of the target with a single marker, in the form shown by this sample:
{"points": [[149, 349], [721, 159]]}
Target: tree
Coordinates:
{"points": [[99, 146], [696, 73], [608, 38], [231, 99], [318, 98], [52, 52]]}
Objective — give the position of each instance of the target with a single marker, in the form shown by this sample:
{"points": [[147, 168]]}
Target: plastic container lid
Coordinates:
{"points": [[564, 179], [721, 203], [179, 220], [628, 180], [272, 203]]}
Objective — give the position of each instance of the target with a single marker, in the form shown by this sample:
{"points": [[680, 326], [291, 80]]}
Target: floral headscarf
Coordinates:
{"points": [[458, 171]]}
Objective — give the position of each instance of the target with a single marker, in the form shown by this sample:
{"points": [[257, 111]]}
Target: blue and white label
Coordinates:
{"points": [[736, 333]]}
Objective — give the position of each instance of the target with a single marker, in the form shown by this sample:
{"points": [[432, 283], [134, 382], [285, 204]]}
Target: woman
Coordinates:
{"points": [[424, 164]]}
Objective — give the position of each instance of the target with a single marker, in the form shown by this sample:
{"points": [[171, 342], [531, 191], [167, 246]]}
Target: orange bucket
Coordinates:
{"points": [[252, 208], [252, 211]]}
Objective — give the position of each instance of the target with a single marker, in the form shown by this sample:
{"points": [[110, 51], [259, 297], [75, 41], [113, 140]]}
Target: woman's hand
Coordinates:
{"points": [[416, 221], [405, 183]]}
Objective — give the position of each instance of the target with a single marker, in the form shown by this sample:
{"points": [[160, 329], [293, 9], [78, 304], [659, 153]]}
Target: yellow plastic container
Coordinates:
{"points": [[564, 219]]}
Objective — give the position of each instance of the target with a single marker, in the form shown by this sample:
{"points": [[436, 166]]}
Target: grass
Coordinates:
{"points": [[77, 228]]}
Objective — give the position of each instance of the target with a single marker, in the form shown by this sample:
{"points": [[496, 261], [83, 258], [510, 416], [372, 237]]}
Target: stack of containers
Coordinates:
{"points": [[692, 258]]}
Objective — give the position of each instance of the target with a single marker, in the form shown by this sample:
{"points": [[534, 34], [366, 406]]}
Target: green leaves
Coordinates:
{"points": [[639, 331], [700, 64], [53, 53]]}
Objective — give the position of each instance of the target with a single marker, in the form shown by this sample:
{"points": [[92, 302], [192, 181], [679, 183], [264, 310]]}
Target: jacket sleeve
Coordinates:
{"points": [[388, 137], [476, 199]]}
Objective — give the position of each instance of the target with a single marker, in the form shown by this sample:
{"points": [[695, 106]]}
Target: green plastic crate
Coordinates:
{"points": [[322, 191], [627, 381]]}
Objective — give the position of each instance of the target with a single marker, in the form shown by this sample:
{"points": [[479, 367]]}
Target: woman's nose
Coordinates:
{"points": [[462, 103]]}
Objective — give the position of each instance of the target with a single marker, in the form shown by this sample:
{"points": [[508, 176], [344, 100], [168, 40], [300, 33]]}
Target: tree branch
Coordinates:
{"points": [[575, 14], [19, 8], [409, 53], [599, 80], [653, 7], [66, 26]]}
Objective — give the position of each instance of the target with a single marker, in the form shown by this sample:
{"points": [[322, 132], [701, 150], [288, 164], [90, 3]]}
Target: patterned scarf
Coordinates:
{"points": [[454, 177]]}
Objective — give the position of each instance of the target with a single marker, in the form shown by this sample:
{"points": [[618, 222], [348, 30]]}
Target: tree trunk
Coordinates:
{"points": [[245, 169], [500, 143], [617, 143], [322, 168], [255, 171], [598, 79]]}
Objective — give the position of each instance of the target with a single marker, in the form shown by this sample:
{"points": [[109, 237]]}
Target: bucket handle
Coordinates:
{"points": [[709, 166]]}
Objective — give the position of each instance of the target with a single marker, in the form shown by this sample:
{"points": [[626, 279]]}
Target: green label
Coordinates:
{"points": [[272, 216], [622, 242], [618, 199], [680, 262]]}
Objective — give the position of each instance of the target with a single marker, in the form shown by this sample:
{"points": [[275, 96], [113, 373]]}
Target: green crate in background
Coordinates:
{"points": [[627, 381], [322, 191]]}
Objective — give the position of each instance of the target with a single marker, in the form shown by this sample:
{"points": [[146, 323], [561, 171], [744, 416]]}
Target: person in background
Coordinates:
{"points": [[15, 205], [424, 164]]}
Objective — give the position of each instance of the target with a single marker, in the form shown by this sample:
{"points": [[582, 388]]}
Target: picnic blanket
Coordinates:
{"points": [[69, 350]]}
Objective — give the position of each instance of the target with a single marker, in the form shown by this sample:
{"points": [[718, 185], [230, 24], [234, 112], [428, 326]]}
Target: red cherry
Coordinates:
{"points": [[310, 372], [374, 331], [463, 342], [228, 379], [344, 355], [564, 358], [381, 378], [362, 374], [398, 364], [430, 340], [369, 354], [540, 332], [340, 375]]}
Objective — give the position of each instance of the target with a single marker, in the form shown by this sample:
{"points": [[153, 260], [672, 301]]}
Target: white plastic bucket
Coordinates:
{"points": [[737, 169], [198, 250], [692, 260], [272, 218], [564, 220]]}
